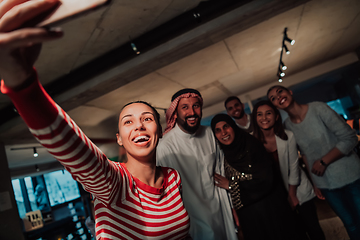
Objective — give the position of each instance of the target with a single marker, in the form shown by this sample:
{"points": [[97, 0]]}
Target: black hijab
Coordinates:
{"points": [[243, 149]]}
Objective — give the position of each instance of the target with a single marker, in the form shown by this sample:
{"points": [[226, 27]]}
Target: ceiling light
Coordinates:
{"points": [[286, 38], [286, 49], [133, 46], [282, 67], [291, 41], [35, 152]]}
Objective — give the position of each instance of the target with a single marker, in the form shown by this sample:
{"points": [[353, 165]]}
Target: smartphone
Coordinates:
{"points": [[67, 10]]}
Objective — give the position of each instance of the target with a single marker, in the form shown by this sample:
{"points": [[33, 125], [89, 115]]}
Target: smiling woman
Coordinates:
{"points": [[281, 146], [257, 198], [327, 144], [133, 200]]}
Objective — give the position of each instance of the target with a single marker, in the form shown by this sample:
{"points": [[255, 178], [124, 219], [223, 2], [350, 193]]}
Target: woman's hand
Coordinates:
{"points": [[221, 181], [318, 193], [293, 201], [292, 198], [236, 219], [20, 47]]}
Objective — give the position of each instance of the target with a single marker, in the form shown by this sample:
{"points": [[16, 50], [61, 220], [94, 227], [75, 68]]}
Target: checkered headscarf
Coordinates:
{"points": [[170, 112]]}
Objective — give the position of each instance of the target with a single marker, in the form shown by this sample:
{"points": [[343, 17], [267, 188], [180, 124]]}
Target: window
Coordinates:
{"points": [[341, 105], [19, 197], [61, 187], [41, 192]]}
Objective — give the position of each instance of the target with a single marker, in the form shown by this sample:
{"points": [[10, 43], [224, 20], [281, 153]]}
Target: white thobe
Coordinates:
{"points": [[197, 157]]}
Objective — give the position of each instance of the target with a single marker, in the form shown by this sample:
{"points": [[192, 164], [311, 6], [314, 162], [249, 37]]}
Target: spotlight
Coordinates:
{"points": [[35, 152], [37, 168], [282, 67], [281, 73], [291, 41], [286, 38], [133, 46], [286, 49]]}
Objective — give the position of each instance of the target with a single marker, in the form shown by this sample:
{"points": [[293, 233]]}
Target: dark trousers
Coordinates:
{"points": [[309, 221]]}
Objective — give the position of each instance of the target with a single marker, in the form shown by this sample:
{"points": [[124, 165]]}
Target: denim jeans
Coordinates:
{"points": [[345, 202]]}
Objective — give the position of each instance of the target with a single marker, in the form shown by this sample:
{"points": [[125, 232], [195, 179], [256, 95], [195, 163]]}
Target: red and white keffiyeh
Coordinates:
{"points": [[170, 112]]}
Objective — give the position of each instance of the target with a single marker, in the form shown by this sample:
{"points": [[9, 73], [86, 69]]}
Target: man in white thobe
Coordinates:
{"points": [[192, 150]]}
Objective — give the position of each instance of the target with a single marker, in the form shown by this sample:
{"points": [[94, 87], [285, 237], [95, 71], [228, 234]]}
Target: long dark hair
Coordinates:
{"points": [[278, 126]]}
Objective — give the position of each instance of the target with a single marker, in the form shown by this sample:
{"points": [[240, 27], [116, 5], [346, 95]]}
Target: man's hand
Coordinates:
{"points": [[221, 181], [20, 47], [318, 168]]}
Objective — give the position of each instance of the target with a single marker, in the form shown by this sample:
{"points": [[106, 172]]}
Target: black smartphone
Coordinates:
{"points": [[67, 10]]}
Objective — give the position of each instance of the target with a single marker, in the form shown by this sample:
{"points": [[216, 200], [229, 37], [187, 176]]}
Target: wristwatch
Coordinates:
{"points": [[323, 163]]}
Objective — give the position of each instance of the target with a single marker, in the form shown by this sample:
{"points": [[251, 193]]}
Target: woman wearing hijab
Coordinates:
{"points": [[281, 145], [259, 201]]}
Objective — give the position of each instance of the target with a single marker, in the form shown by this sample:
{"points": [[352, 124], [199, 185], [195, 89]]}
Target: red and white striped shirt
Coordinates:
{"points": [[125, 208]]}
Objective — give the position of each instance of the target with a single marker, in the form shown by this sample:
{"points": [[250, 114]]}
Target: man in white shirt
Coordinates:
{"points": [[235, 109], [192, 150]]}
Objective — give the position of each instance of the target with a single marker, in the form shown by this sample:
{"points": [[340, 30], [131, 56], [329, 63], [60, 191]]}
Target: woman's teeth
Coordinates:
{"points": [[141, 139], [225, 138]]}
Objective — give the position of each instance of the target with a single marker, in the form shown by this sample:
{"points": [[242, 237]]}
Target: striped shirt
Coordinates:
{"points": [[125, 208]]}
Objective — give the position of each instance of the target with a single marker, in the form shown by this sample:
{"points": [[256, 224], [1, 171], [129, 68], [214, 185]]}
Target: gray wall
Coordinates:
{"points": [[10, 223]]}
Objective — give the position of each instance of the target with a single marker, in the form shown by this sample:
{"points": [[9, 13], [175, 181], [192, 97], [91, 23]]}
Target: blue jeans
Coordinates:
{"points": [[345, 202]]}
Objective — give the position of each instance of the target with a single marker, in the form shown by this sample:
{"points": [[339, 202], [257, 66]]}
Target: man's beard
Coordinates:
{"points": [[186, 127], [241, 115]]}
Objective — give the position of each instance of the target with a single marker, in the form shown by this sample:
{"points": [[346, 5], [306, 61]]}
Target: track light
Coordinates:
{"points": [[286, 49], [282, 66], [133, 46], [35, 152], [281, 73], [286, 38], [291, 41], [37, 168]]}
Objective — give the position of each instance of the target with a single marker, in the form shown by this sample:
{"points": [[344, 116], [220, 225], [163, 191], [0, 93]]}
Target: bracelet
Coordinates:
{"points": [[323, 163]]}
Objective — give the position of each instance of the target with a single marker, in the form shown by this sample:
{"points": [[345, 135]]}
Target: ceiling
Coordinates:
{"points": [[92, 72]]}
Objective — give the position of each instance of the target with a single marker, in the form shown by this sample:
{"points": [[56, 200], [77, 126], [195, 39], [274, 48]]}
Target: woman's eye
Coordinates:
{"points": [[148, 119], [127, 122]]}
